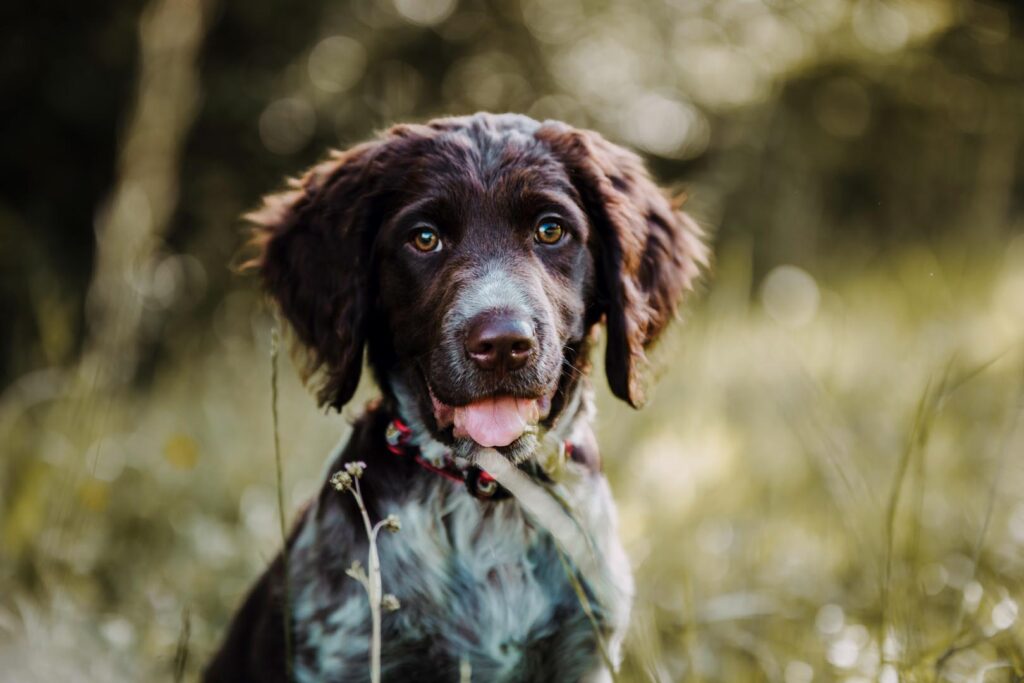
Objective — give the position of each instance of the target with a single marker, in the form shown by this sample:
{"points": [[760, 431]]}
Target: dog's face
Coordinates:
{"points": [[484, 276], [473, 257]]}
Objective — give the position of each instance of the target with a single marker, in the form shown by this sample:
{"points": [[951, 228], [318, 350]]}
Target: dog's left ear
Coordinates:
{"points": [[649, 253], [312, 246]]}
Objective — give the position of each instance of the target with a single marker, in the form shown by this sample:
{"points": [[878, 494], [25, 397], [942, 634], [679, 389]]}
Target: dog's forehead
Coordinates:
{"points": [[492, 159]]}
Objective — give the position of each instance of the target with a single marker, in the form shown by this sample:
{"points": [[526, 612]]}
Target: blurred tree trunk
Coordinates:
{"points": [[992, 204], [131, 225]]}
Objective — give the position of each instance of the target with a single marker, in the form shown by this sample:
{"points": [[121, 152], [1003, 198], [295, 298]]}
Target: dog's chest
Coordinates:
{"points": [[481, 590]]}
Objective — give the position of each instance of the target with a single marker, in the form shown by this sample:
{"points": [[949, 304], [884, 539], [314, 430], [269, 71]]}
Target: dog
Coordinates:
{"points": [[474, 259]]}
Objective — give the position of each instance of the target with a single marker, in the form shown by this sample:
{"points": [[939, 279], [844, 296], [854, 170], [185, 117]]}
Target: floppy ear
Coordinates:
{"points": [[313, 253], [649, 253]]}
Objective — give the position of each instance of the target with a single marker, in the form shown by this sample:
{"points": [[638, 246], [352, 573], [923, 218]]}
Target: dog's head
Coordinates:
{"points": [[473, 257]]}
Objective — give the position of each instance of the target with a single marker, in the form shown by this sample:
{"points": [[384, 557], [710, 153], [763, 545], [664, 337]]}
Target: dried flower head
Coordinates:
{"points": [[342, 481], [356, 571], [355, 468], [392, 523], [390, 603]]}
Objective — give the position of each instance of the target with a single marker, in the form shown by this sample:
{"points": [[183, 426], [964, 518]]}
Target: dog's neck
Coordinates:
{"points": [[572, 425]]}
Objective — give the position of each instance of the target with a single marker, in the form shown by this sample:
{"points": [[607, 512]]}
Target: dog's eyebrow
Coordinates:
{"points": [[424, 207], [544, 200]]}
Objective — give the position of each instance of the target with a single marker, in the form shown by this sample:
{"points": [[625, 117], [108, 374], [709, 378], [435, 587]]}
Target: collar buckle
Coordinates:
{"points": [[397, 436]]}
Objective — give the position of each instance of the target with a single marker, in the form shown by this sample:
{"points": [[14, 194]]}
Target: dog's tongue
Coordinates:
{"points": [[493, 422]]}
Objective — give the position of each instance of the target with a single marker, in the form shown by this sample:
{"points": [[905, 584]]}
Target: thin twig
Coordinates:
{"points": [[373, 585], [348, 480]]}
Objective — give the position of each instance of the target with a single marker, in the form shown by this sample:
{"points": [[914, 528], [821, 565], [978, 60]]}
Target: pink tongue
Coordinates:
{"points": [[495, 422]]}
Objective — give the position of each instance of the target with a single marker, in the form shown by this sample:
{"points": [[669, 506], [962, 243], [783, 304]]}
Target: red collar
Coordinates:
{"points": [[398, 439]]}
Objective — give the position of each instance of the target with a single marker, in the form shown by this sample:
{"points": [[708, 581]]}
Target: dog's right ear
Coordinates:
{"points": [[649, 253], [312, 251]]}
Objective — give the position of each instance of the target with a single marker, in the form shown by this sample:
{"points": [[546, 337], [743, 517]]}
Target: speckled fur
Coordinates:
{"points": [[477, 581]]}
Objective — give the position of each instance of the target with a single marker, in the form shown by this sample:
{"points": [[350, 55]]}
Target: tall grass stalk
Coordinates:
{"points": [[588, 610], [927, 408], [286, 612], [1005, 446], [690, 635], [181, 650], [553, 513]]}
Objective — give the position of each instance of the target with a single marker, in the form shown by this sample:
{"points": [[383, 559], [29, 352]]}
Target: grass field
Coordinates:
{"points": [[828, 484]]}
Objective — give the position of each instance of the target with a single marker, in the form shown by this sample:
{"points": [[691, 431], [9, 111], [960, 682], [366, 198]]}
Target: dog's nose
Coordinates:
{"points": [[500, 341]]}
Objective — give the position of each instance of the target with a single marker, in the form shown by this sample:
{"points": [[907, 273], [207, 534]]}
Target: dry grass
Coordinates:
{"points": [[837, 500]]}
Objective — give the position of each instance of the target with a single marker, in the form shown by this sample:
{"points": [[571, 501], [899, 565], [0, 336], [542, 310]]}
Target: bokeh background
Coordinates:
{"points": [[828, 484]]}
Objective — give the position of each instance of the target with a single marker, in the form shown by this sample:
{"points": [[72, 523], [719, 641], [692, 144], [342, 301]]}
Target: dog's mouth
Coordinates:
{"points": [[493, 421]]}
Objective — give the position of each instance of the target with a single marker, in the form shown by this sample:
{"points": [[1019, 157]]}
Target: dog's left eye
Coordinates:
{"points": [[549, 232], [425, 239]]}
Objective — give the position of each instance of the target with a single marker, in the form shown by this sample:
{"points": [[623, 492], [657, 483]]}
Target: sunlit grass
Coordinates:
{"points": [[829, 492]]}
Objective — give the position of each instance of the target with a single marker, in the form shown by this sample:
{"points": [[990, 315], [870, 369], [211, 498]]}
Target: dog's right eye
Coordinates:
{"points": [[425, 239]]}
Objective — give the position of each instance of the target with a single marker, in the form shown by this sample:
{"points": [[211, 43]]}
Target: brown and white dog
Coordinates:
{"points": [[473, 259]]}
